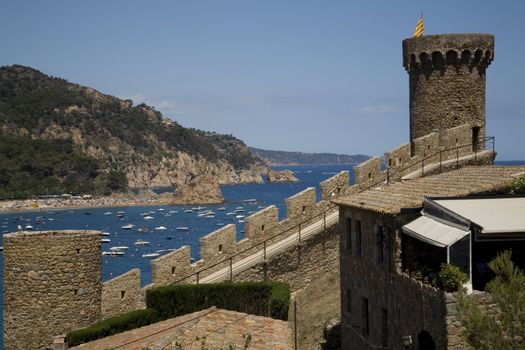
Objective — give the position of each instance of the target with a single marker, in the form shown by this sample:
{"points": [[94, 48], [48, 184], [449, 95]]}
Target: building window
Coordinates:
{"points": [[262, 228], [365, 324], [380, 244], [173, 270], [348, 234], [358, 238], [384, 327], [348, 301], [122, 294], [304, 209], [220, 248]]}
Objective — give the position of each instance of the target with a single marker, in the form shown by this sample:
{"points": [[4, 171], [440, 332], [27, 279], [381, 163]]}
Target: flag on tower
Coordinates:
{"points": [[419, 27]]}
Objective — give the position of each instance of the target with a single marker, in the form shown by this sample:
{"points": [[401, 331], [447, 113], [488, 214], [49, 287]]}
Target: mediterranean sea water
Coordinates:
{"points": [[251, 197]]}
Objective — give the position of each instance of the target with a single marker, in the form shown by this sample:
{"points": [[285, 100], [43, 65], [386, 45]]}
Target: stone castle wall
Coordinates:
{"points": [[404, 159], [122, 294], [310, 259], [218, 246], [52, 284]]}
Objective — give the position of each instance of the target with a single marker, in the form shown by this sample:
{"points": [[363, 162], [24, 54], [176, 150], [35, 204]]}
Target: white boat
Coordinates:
{"points": [[104, 233], [149, 217], [105, 240], [220, 224], [173, 211], [161, 209], [230, 213], [119, 248], [160, 228], [1, 248], [114, 253], [128, 226], [251, 200], [239, 210], [239, 216], [140, 242], [182, 228], [241, 221], [28, 227], [150, 255], [107, 213]]}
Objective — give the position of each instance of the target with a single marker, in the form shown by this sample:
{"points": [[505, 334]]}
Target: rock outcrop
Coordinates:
{"points": [[281, 176], [203, 189]]}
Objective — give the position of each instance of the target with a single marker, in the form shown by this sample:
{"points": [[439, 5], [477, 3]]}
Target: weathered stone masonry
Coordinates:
{"points": [[52, 284]]}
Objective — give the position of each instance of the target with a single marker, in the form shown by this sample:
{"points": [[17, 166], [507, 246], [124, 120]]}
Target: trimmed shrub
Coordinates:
{"points": [[248, 297], [113, 325], [280, 301], [451, 278]]}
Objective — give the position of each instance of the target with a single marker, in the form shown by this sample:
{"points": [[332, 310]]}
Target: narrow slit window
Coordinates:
{"points": [[358, 237], [220, 247], [122, 294]]}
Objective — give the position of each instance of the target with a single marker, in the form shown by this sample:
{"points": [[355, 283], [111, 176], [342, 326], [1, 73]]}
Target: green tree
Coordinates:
{"points": [[505, 329]]}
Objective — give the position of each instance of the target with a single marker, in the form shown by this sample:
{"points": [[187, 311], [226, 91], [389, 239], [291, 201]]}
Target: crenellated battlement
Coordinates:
{"points": [[449, 144], [439, 51]]}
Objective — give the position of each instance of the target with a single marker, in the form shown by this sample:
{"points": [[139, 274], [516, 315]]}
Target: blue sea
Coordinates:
{"points": [[251, 197]]}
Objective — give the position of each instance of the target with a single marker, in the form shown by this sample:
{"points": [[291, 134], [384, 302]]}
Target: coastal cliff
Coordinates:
{"points": [[112, 144]]}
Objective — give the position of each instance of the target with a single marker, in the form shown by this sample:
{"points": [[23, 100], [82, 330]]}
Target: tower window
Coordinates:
{"points": [[122, 294], [220, 248]]}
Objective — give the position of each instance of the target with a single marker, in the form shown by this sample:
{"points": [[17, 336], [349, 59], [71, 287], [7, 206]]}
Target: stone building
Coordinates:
{"points": [[382, 305]]}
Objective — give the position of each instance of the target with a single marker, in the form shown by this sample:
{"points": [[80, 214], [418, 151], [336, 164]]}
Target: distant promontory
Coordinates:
{"points": [[301, 158]]}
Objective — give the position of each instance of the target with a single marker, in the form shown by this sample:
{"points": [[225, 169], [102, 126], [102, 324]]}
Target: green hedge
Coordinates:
{"points": [[270, 299], [113, 325], [280, 301], [258, 298]]}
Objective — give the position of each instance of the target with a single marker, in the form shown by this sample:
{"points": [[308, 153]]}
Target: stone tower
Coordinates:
{"points": [[447, 82], [52, 284]]}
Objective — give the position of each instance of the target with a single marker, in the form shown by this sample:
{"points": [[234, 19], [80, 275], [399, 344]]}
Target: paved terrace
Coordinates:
{"points": [[457, 183], [221, 328]]}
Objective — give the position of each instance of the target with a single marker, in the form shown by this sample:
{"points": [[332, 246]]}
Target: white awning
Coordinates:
{"points": [[433, 232], [494, 215]]}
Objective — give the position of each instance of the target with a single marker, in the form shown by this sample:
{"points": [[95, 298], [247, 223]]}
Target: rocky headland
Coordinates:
{"points": [[59, 137]]}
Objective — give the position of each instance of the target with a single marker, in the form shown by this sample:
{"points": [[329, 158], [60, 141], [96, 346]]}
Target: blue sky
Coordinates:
{"points": [[312, 76]]}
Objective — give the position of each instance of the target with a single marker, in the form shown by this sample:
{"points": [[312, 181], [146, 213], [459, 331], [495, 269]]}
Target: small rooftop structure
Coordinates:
{"points": [[217, 328]]}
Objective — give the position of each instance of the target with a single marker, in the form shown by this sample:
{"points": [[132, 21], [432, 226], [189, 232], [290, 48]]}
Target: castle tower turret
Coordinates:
{"points": [[52, 285], [447, 82]]}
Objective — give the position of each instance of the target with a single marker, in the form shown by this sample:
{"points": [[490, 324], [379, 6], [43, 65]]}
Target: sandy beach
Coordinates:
{"points": [[9, 206]]}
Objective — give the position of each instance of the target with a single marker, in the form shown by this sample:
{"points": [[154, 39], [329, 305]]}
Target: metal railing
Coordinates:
{"points": [[487, 143], [263, 244]]}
